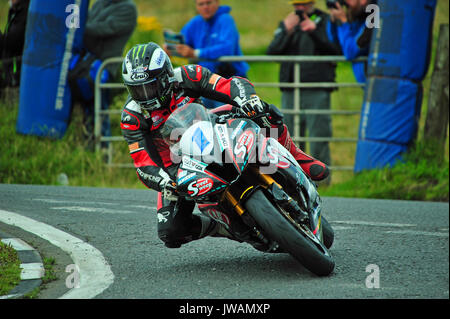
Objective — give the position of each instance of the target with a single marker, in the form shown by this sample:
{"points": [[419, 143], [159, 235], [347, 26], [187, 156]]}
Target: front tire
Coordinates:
{"points": [[277, 227], [328, 233]]}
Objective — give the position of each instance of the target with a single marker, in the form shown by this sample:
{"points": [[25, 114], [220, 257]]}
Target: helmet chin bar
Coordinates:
{"points": [[150, 105], [159, 102]]}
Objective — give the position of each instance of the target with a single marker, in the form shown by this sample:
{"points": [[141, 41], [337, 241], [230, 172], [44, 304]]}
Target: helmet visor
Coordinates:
{"points": [[144, 92]]}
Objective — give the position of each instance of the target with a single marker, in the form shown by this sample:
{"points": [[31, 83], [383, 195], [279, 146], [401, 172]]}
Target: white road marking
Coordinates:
{"points": [[17, 243], [376, 224], [143, 207], [59, 201], [392, 225], [32, 271], [90, 209], [342, 227], [95, 273], [417, 232], [94, 210]]}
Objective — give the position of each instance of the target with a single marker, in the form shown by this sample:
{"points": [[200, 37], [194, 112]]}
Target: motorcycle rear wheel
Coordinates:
{"points": [[277, 227]]}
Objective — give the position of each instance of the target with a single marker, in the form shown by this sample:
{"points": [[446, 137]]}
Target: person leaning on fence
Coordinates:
{"points": [[347, 27], [109, 25], [12, 43], [303, 32], [210, 35]]}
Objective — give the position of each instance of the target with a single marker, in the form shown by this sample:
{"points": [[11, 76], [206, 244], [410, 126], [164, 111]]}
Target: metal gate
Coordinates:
{"points": [[296, 111]]}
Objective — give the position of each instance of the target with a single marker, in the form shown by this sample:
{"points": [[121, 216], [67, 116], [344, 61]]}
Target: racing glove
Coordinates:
{"points": [[254, 106], [169, 189], [256, 109]]}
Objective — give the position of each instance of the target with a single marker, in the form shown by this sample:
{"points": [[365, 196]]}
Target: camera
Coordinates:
{"points": [[331, 4], [300, 14]]}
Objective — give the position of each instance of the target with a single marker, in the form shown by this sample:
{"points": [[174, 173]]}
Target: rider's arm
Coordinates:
{"points": [[199, 81], [146, 159]]}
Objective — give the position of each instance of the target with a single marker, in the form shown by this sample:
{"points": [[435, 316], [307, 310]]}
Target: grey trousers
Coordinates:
{"points": [[315, 125]]}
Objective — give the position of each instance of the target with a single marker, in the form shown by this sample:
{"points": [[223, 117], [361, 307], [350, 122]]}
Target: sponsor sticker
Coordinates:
{"points": [[139, 76], [200, 186], [133, 147], [244, 143], [193, 164]]}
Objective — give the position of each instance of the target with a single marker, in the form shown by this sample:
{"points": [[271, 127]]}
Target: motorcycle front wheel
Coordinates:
{"points": [[328, 233], [297, 242]]}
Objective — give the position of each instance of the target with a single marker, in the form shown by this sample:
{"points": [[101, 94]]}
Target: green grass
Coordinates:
{"points": [[420, 176], [9, 269], [26, 159]]}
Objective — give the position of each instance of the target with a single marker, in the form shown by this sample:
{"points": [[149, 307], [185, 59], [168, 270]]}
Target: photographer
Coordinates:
{"points": [[12, 43], [303, 32], [347, 26]]}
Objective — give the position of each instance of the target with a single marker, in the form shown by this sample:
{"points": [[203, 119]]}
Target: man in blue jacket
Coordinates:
{"points": [[210, 35], [348, 28]]}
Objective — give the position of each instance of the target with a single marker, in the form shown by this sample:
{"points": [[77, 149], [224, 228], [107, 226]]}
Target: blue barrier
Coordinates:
{"points": [[398, 61], [51, 39]]}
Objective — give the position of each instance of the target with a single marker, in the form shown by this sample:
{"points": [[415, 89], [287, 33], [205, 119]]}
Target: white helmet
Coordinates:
{"points": [[148, 75]]}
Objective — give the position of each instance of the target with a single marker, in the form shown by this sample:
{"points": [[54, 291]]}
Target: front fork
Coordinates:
{"points": [[280, 197]]}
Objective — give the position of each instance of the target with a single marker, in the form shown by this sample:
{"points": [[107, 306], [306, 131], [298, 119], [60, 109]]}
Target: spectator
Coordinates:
{"points": [[303, 32], [348, 28], [12, 43], [109, 25], [210, 35]]}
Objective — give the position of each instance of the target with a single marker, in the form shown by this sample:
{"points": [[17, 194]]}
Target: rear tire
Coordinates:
{"points": [[278, 228]]}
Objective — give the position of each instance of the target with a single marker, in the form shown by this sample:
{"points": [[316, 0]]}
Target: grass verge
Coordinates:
{"points": [[26, 159], [9, 268], [420, 176]]}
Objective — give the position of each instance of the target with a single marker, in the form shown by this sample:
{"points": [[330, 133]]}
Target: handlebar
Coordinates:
{"points": [[238, 114]]}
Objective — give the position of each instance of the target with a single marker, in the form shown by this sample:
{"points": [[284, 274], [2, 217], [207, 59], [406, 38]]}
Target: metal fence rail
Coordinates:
{"points": [[296, 85]]}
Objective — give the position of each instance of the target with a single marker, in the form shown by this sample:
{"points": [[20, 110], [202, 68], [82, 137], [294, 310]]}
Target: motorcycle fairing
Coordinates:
{"points": [[273, 153], [243, 135], [194, 179]]}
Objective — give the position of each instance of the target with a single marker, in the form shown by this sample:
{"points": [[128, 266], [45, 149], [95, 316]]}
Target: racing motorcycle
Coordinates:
{"points": [[250, 183]]}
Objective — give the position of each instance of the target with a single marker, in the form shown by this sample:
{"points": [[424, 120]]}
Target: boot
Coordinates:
{"points": [[210, 227], [315, 169]]}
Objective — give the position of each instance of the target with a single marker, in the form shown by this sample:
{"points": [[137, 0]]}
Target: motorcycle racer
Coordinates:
{"points": [[156, 90]]}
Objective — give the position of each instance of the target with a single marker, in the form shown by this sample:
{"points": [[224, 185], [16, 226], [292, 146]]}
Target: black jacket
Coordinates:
{"points": [[109, 25], [12, 44], [304, 43], [13, 39]]}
